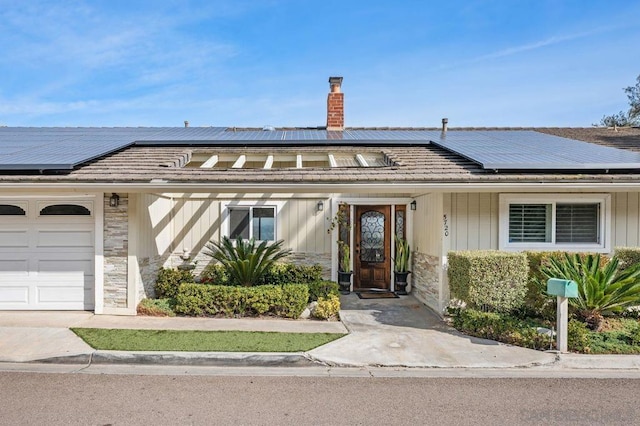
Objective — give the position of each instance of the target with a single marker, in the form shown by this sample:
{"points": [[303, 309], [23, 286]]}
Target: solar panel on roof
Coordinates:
{"points": [[529, 150], [65, 148]]}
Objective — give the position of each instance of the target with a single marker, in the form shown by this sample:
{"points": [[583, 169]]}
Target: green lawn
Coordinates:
{"points": [[201, 341]]}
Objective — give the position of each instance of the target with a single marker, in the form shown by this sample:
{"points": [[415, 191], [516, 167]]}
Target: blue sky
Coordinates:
{"points": [[253, 63]]}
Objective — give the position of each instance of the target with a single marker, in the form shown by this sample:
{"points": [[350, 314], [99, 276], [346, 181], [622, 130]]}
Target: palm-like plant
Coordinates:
{"points": [[244, 260], [602, 290]]}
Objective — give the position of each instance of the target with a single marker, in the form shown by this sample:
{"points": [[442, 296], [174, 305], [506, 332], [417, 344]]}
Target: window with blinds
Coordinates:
{"points": [[530, 223], [575, 223], [578, 223]]}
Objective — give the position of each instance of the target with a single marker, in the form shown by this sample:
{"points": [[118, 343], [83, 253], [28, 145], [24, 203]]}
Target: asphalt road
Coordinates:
{"points": [[89, 399]]}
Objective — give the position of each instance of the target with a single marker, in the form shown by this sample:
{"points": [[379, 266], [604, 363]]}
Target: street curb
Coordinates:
{"points": [[217, 359]]}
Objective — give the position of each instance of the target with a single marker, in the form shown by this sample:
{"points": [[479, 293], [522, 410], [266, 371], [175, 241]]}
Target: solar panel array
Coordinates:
{"points": [[25, 148], [529, 150]]}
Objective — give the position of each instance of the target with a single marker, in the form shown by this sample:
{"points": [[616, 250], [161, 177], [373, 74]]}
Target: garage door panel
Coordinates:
{"points": [[85, 266], [13, 267], [14, 238], [18, 295], [65, 239]]}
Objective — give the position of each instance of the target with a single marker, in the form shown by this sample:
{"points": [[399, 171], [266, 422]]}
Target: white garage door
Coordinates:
{"points": [[46, 255]]}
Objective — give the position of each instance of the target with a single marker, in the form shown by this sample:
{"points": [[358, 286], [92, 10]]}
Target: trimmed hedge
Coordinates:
{"points": [[169, 281], [288, 273], [280, 273], [488, 280], [287, 300], [628, 256], [323, 289]]}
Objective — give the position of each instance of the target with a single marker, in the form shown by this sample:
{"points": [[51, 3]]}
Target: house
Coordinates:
{"points": [[88, 215]]}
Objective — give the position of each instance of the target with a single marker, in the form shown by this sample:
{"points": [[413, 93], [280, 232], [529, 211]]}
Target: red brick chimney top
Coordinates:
{"points": [[335, 105]]}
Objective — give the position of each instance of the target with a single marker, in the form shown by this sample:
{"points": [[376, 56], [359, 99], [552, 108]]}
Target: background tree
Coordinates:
{"points": [[631, 117]]}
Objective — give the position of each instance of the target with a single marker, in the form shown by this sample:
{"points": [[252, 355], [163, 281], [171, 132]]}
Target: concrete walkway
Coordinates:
{"points": [[382, 332], [402, 332]]}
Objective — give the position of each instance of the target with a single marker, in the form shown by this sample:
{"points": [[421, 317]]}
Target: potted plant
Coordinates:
{"points": [[344, 267], [342, 222], [401, 265]]}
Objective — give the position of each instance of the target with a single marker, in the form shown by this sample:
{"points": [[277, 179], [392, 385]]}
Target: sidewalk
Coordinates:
{"points": [[382, 333]]}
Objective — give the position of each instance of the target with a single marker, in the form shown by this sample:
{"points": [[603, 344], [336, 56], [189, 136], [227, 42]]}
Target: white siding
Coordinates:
{"points": [[303, 228], [167, 225], [625, 219], [472, 220], [428, 225]]}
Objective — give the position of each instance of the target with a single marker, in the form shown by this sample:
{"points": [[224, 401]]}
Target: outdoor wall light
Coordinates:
{"points": [[114, 200], [320, 205], [413, 205]]}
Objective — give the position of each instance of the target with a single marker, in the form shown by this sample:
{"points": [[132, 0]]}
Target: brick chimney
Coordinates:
{"points": [[335, 105]]}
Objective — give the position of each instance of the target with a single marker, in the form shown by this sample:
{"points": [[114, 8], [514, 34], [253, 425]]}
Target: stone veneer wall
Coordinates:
{"points": [[116, 248], [149, 268], [426, 280], [306, 258]]}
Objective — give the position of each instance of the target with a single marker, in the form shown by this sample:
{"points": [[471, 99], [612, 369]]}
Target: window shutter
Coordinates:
{"points": [[577, 223], [530, 223]]}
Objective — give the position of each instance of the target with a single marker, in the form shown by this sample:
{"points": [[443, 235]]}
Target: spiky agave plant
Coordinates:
{"points": [[602, 290], [246, 261]]}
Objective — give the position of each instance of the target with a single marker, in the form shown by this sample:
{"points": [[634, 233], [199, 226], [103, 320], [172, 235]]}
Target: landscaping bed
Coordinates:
{"points": [[245, 281], [502, 296]]}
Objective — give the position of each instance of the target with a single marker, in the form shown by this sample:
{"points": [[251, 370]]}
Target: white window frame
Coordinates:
{"points": [[604, 226], [226, 217]]}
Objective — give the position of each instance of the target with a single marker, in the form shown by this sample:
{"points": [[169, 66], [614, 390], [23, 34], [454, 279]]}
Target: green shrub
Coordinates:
{"points": [[246, 261], [577, 336], [277, 274], [602, 290], [628, 256], [537, 302], [489, 280], [500, 327], [294, 300], [288, 273], [322, 289], [327, 308], [169, 281], [214, 273], [623, 338], [287, 301], [156, 307]]}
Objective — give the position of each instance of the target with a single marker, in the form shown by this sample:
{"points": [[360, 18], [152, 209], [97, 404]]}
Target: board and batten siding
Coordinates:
{"points": [[472, 221], [428, 225], [625, 219], [302, 227], [171, 224]]}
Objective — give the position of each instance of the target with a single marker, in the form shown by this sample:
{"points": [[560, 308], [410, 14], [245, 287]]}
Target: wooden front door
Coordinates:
{"points": [[372, 260]]}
